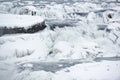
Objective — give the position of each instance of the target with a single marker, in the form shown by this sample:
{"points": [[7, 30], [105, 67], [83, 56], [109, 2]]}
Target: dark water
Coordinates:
{"points": [[99, 59]]}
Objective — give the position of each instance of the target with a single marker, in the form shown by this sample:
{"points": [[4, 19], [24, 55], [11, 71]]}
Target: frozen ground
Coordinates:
{"points": [[81, 42]]}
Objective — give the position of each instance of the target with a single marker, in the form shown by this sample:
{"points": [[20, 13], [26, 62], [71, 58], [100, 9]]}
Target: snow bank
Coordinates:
{"points": [[36, 46], [98, 71]]}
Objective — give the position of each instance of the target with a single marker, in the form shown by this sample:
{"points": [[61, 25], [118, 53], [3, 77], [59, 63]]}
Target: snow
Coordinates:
{"points": [[32, 8], [19, 51], [13, 21], [106, 70], [74, 52], [98, 71], [6, 5]]}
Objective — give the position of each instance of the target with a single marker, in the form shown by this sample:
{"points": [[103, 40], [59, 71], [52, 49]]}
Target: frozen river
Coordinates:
{"points": [[82, 49], [59, 65]]}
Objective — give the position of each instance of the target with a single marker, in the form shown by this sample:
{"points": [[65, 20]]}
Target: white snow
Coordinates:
{"points": [[25, 21], [105, 70], [82, 42], [32, 46], [32, 8]]}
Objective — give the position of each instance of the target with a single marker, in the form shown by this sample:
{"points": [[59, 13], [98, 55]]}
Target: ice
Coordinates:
{"points": [[81, 41], [6, 6], [18, 50], [98, 71]]}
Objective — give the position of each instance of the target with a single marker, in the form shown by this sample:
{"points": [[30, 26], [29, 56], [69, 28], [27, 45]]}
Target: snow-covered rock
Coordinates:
{"points": [[27, 10], [10, 23]]}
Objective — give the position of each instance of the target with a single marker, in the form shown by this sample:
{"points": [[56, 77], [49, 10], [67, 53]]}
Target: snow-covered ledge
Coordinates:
{"points": [[10, 24]]}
